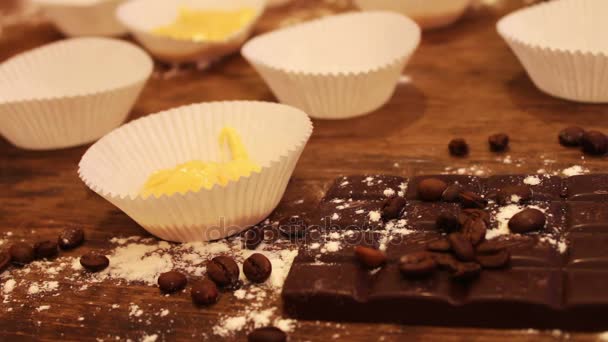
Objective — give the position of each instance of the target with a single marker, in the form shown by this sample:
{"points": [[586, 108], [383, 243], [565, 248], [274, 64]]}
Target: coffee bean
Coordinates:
{"points": [[172, 281], [21, 253], [392, 207], [370, 257], [475, 230], [253, 237], [571, 136], [293, 226], [204, 292], [257, 268], [439, 245], [223, 271], [417, 264], [458, 147], [462, 247], [447, 222], [514, 194], [473, 214], [490, 247], [469, 199], [94, 262], [70, 238], [466, 270], [446, 261], [45, 249], [498, 142], [494, 260], [267, 334], [431, 189], [527, 220], [594, 143], [5, 261], [451, 193]]}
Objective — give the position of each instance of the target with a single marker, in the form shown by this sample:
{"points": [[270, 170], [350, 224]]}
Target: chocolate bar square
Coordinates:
{"points": [[350, 214], [587, 216], [470, 183], [544, 187], [587, 250], [370, 187], [423, 215], [587, 187]]}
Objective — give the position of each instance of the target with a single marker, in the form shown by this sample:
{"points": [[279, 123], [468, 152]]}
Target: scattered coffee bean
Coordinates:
{"points": [[451, 193], [446, 261], [594, 143], [447, 222], [223, 271], [440, 245], [71, 238], [466, 270], [293, 226], [462, 247], [5, 261], [571, 136], [527, 220], [431, 189], [204, 292], [21, 253], [172, 281], [94, 262], [370, 257], [473, 214], [392, 208], [267, 334], [494, 260], [490, 247], [45, 249], [253, 237], [257, 268], [417, 264], [458, 147], [514, 194], [469, 199], [475, 231], [498, 142]]}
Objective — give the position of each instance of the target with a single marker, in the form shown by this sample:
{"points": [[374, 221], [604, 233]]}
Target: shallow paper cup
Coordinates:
{"points": [[429, 14], [562, 46], [84, 17], [117, 166], [143, 16], [70, 92], [336, 67]]}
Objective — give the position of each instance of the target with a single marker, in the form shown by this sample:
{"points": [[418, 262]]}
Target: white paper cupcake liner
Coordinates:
{"points": [[143, 16], [84, 17], [561, 45], [429, 14], [70, 92], [336, 67], [117, 166]]}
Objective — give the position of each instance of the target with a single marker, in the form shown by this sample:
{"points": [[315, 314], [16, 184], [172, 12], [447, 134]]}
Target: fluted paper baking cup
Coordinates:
{"points": [[70, 92], [336, 67], [117, 166], [562, 46], [84, 17], [429, 14], [141, 17]]}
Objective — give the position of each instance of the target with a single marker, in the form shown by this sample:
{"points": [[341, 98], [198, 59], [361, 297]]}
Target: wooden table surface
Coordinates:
{"points": [[465, 82]]}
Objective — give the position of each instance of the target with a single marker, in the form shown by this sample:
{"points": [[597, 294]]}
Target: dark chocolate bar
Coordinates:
{"points": [[557, 278]]}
